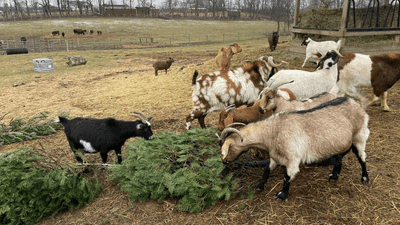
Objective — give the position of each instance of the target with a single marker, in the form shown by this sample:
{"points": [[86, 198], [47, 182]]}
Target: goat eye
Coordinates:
{"points": [[330, 64]]}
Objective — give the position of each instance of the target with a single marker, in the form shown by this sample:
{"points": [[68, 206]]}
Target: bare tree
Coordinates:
{"points": [[45, 4], [213, 6], [143, 3], [27, 8], [16, 6], [59, 7]]}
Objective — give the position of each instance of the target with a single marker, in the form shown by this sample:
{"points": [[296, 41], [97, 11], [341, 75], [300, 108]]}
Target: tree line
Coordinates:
{"points": [[277, 10]]}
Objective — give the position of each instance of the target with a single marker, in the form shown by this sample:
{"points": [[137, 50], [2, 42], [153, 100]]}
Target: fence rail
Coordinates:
{"points": [[77, 44]]}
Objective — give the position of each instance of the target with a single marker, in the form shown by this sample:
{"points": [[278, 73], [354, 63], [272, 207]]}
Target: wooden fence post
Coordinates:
{"points": [[67, 45]]}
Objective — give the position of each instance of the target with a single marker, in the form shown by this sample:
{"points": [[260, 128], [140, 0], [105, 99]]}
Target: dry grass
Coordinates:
{"points": [[127, 83]]}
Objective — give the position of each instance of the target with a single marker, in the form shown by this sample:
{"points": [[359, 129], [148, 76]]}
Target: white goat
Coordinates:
{"points": [[322, 47], [307, 84], [302, 137]]}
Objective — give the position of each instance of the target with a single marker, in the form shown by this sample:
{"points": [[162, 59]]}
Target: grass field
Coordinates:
{"points": [[115, 83], [128, 30]]}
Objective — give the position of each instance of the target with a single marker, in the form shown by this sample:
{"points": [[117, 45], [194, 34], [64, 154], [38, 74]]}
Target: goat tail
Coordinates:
{"points": [[352, 92], [194, 77]]}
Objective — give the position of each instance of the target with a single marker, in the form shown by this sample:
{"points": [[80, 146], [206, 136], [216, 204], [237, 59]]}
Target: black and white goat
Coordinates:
{"points": [[103, 135], [303, 137]]}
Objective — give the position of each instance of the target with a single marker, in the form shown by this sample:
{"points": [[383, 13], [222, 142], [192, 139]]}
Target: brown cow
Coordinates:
{"points": [[99, 32], [54, 33], [91, 32]]}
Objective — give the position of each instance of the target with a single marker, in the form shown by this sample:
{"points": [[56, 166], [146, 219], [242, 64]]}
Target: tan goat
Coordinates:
{"points": [[223, 59], [302, 137]]}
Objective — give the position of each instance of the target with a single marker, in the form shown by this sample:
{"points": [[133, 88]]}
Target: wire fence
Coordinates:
{"points": [[147, 41]]}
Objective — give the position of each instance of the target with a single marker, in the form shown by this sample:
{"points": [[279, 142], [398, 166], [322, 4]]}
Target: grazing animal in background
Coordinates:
{"points": [[99, 32], [103, 135], [307, 84], [63, 34], [241, 86], [252, 113], [379, 71], [54, 33], [322, 47], [91, 32], [163, 65], [273, 40], [23, 39], [224, 56], [330, 129], [79, 31]]}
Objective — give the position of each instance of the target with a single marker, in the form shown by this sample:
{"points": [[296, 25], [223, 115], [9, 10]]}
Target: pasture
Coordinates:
{"points": [[127, 31], [116, 83]]}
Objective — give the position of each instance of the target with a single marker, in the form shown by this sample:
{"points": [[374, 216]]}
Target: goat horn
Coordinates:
{"points": [[229, 108], [270, 85], [219, 138], [283, 83], [337, 53], [228, 130], [271, 62], [140, 116]]}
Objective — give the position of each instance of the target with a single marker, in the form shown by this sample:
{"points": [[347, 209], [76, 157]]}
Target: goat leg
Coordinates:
{"points": [[284, 193], [364, 176], [267, 172], [336, 160], [118, 153]]}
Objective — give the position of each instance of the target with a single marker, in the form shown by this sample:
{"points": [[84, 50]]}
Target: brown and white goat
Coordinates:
{"points": [[252, 113], [302, 137], [242, 86], [379, 71], [224, 56]]}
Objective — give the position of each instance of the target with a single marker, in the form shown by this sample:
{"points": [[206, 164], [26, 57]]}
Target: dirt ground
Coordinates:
{"points": [[132, 86]]}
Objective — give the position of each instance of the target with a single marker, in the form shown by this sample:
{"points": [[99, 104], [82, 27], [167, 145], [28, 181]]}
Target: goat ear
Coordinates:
{"points": [[149, 118]]}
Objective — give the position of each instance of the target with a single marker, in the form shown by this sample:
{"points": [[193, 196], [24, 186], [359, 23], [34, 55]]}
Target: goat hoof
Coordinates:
{"points": [[387, 110], [364, 180], [282, 195], [333, 177], [260, 187]]}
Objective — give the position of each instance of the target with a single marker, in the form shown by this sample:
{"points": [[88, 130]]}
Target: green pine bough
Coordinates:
{"points": [[33, 187], [22, 129], [176, 165]]}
